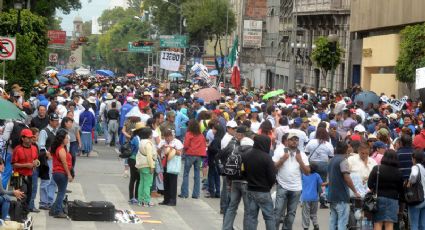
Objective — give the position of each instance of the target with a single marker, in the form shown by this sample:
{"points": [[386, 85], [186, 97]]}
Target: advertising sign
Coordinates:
{"points": [[57, 37], [252, 34]]}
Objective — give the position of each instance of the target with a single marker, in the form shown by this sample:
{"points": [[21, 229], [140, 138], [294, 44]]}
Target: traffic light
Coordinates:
{"points": [[142, 43]]}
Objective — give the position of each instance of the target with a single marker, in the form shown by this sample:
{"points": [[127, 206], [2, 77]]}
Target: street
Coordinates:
{"points": [[100, 177]]}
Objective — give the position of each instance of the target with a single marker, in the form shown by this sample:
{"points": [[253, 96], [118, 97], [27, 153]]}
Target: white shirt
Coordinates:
{"points": [[144, 117], [225, 141], [357, 165], [175, 143], [289, 174], [255, 126]]}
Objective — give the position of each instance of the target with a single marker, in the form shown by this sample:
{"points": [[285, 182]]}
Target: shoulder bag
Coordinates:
{"points": [[370, 202]]}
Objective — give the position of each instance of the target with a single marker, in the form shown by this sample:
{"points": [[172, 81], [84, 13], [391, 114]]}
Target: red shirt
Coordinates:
{"points": [[57, 163], [195, 145], [23, 155]]}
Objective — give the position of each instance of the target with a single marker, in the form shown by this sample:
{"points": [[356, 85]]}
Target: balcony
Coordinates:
{"points": [[309, 6]]}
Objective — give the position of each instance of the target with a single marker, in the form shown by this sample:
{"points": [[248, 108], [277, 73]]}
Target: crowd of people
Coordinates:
{"points": [[314, 149]]}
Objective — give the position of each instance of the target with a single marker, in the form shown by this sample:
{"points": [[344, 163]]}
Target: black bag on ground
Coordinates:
{"points": [[91, 211], [18, 211]]}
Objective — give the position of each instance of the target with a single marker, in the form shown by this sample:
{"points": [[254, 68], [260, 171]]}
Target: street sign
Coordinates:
{"points": [[7, 48], [53, 57], [57, 37], [139, 49], [173, 41]]}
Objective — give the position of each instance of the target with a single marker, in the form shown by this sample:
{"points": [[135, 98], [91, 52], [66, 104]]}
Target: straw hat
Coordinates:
{"points": [[139, 125], [109, 96]]}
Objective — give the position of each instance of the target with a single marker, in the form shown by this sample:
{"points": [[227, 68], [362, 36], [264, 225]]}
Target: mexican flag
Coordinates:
{"points": [[233, 61]]}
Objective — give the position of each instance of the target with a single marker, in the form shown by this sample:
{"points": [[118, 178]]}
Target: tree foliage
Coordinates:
{"points": [[326, 56], [165, 16], [111, 17], [31, 47], [412, 53]]}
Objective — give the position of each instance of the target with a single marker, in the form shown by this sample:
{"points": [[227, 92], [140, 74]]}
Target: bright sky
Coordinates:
{"points": [[87, 12]]}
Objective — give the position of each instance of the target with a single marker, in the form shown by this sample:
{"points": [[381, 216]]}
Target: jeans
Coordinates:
{"points": [[188, 162], [257, 201], [417, 216], [145, 184], [113, 132], [339, 215], [105, 131], [5, 204], [34, 188], [225, 195], [213, 181], [47, 189], [133, 186], [238, 191], [286, 201], [309, 211], [62, 181]]}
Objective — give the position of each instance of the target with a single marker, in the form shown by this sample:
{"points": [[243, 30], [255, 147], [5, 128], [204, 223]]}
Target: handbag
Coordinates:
{"points": [[370, 202], [125, 150], [174, 165], [415, 193]]}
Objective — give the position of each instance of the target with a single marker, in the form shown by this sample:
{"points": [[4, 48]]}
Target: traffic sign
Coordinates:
{"points": [[173, 41], [7, 48], [139, 49], [53, 57]]}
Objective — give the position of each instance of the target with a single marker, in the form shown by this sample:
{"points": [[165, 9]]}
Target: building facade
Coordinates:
{"points": [[301, 22], [375, 27]]}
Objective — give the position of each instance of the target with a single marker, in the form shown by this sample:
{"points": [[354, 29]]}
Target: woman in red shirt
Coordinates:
{"points": [[195, 148], [62, 164]]}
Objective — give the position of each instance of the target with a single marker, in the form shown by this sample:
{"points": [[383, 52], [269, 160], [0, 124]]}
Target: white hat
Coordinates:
{"points": [[131, 99], [314, 121], [232, 124], [92, 100], [393, 116], [359, 128], [292, 134], [118, 89], [60, 99], [376, 117]]}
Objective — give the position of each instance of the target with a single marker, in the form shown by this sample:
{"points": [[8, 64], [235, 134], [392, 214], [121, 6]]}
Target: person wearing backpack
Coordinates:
{"points": [[213, 149], [417, 212], [238, 181]]}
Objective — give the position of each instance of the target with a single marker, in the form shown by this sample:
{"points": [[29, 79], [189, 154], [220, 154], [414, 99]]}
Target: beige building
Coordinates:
{"points": [[375, 27]]}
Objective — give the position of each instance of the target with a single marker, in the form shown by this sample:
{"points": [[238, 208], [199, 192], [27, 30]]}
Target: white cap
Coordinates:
{"points": [[232, 124], [359, 128]]}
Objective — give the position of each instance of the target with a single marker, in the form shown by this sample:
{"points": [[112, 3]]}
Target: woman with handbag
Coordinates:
{"points": [[417, 175], [320, 151], [386, 182], [170, 149]]}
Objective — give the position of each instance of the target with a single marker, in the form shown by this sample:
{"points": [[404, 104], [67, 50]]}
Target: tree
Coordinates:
{"points": [[412, 54], [165, 16], [111, 17], [327, 56], [87, 28], [31, 47]]}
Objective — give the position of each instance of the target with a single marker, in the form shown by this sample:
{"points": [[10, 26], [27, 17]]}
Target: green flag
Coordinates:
{"points": [[233, 53]]}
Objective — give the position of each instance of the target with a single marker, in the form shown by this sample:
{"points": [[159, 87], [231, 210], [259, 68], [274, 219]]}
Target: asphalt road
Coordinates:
{"points": [[100, 177]]}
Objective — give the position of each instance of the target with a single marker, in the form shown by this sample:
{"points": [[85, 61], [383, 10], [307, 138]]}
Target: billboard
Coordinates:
{"points": [[57, 37], [252, 34]]}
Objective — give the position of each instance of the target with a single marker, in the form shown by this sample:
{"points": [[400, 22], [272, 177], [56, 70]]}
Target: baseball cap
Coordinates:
{"points": [[297, 122], [26, 133], [232, 124], [392, 116], [333, 124], [379, 144], [53, 117], [217, 111], [291, 135], [200, 100], [242, 129], [376, 117], [359, 128]]}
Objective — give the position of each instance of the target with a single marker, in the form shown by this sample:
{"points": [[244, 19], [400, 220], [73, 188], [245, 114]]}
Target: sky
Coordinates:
{"points": [[88, 11]]}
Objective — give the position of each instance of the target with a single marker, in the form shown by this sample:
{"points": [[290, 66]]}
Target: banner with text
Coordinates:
{"points": [[252, 33], [420, 78], [170, 60]]}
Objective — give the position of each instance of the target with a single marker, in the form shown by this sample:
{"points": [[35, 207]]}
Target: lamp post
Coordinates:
{"points": [[18, 6], [332, 39]]}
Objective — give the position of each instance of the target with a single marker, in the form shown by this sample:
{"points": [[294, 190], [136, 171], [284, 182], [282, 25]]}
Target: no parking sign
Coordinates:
{"points": [[7, 48]]}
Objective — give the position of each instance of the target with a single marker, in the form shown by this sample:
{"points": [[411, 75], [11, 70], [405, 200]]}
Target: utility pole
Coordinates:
{"points": [[293, 65]]}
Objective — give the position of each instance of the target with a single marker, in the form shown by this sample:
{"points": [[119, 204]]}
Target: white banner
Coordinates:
{"points": [[397, 105], [170, 60], [252, 34], [420, 78]]}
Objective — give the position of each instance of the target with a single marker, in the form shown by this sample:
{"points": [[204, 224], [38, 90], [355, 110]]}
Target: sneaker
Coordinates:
{"points": [[34, 210], [60, 215], [44, 207], [133, 201], [323, 206], [150, 204], [181, 196]]}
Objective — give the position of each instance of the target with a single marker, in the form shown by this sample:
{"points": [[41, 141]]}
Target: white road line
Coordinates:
{"points": [[113, 194], [78, 194]]}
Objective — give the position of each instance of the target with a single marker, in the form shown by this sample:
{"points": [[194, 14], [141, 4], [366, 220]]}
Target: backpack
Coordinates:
{"points": [[15, 135], [233, 164], [221, 157]]}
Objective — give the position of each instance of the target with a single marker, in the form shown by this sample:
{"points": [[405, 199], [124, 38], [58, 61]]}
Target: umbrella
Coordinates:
{"points": [[208, 94], [213, 73], [175, 75], [367, 97], [130, 75], [82, 71], [63, 80], [65, 72], [105, 72], [273, 94], [10, 110]]}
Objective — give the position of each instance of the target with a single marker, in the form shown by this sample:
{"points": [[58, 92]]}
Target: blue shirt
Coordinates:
{"points": [[134, 143], [87, 121], [311, 187]]}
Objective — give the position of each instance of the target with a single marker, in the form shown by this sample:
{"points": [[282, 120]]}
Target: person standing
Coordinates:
{"points": [[87, 124], [62, 165], [290, 162], [24, 160], [339, 184], [259, 170], [45, 141], [417, 212], [195, 149], [169, 147], [41, 120], [181, 123], [213, 150], [134, 182], [113, 116], [145, 162]]}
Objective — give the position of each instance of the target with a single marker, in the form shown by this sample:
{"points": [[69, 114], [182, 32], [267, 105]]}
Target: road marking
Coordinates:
{"points": [[78, 194], [113, 194]]}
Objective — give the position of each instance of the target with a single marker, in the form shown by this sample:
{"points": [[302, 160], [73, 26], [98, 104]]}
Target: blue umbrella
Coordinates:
{"points": [[65, 72], [175, 75], [105, 72], [367, 97], [63, 80], [213, 72]]}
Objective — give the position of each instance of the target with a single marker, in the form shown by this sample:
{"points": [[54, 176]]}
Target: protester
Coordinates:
{"points": [[417, 212], [87, 125], [145, 162]]}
